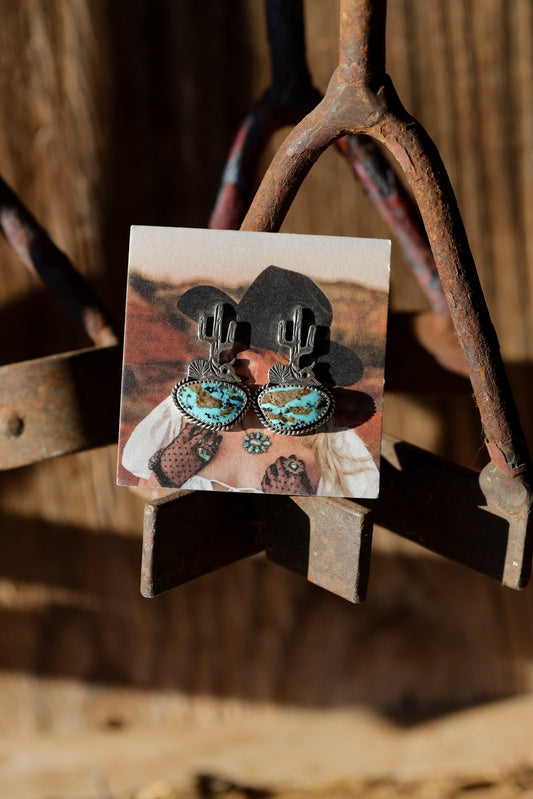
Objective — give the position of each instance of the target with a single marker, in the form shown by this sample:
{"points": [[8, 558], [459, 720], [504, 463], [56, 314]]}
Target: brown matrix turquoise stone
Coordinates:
{"points": [[292, 406], [212, 401]]}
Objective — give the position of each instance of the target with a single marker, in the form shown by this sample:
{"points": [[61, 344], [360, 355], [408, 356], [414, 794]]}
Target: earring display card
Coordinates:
{"points": [[254, 362]]}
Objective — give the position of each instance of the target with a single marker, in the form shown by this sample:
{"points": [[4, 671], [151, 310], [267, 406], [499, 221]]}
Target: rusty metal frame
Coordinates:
{"points": [[67, 402], [328, 543], [361, 100], [299, 533], [287, 100], [437, 504]]}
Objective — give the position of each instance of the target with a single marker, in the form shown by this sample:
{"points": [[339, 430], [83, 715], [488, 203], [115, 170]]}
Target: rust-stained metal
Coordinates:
{"points": [[396, 208], [69, 402], [329, 545], [57, 405], [185, 537], [328, 541], [41, 256], [361, 99], [482, 520], [441, 506], [63, 403], [291, 96]]}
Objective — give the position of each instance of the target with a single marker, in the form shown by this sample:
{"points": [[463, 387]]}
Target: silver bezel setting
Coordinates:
{"points": [[299, 429], [211, 370], [294, 375], [211, 425]]}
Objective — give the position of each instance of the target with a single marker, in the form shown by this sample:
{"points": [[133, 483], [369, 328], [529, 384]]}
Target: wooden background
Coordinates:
{"points": [[119, 113]]}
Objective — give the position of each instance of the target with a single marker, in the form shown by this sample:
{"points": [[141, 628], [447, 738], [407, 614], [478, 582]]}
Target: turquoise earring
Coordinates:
{"points": [[211, 395], [294, 402]]}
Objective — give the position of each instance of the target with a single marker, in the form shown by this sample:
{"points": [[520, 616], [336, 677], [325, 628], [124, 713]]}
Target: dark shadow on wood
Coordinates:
{"points": [[440, 506], [253, 631], [211, 786], [38, 307], [189, 537], [179, 90], [410, 368]]}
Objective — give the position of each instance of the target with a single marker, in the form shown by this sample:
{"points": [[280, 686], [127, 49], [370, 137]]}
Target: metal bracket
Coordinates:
{"points": [[438, 504], [63, 403], [427, 499], [327, 541], [479, 520], [57, 405]]}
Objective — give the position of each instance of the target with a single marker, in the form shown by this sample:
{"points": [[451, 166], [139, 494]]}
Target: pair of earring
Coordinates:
{"points": [[291, 403]]}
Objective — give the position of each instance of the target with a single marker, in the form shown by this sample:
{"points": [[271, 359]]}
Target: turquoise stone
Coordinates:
{"points": [[212, 401], [294, 406], [256, 443]]}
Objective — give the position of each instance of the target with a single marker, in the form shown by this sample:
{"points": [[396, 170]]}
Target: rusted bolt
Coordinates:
{"points": [[11, 424]]}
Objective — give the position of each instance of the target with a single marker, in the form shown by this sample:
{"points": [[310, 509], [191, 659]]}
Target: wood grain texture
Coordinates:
{"points": [[348, 755], [111, 117]]}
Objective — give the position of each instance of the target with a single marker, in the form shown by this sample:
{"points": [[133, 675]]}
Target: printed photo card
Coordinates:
{"points": [[254, 362]]}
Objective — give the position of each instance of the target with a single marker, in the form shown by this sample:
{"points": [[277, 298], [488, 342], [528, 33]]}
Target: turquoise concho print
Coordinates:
{"points": [[214, 404], [293, 409], [256, 443]]}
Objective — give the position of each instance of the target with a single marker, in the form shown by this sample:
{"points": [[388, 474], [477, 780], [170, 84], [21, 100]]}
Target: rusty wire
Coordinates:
{"points": [[361, 100]]}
